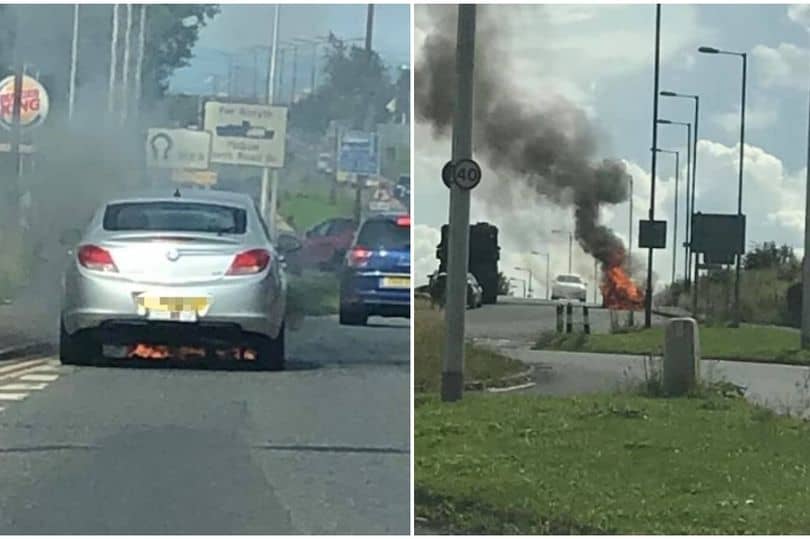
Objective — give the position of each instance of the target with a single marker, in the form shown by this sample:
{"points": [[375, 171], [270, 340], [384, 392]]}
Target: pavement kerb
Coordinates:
{"points": [[501, 383]]}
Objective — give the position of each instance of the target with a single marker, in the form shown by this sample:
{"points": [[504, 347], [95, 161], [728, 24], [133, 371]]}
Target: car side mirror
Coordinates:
{"points": [[69, 237]]}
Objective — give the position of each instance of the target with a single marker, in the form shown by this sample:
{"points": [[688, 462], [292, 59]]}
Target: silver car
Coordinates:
{"points": [[196, 268], [569, 287]]}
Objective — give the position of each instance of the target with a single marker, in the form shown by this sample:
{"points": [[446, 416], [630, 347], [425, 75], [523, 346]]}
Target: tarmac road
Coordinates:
{"points": [[523, 320], [320, 448]]}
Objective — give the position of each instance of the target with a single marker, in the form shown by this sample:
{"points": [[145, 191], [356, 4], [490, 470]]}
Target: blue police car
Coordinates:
{"points": [[376, 276]]}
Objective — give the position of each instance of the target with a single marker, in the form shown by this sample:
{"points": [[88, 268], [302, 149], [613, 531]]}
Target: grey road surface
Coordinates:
{"points": [[524, 320], [320, 448], [784, 388]]}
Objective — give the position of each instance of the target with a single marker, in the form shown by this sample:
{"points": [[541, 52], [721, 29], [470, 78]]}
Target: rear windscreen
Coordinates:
{"points": [[175, 217], [384, 235], [569, 279]]}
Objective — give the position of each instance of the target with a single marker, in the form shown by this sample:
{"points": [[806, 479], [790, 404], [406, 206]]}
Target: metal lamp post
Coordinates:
{"points": [[689, 158], [548, 266], [677, 155], [529, 271], [690, 188], [744, 56]]}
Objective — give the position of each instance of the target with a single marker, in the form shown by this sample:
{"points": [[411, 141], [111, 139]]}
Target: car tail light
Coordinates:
{"points": [[358, 256], [95, 258], [404, 221], [250, 262]]}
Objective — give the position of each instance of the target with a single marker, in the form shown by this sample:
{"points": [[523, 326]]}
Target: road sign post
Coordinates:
{"points": [[250, 135], [452, 385], [178, 149]]}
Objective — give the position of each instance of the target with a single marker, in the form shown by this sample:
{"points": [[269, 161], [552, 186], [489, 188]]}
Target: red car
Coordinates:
{"points": [[326, 243]]}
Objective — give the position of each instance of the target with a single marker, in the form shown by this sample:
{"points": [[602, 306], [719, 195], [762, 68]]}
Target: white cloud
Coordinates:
{"points": [[425, 240], [786, 66], [800, 14], [761, 117]]}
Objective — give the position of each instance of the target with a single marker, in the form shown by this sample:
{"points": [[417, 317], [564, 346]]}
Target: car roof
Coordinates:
{"points": [[209, 196], [386, 216]]}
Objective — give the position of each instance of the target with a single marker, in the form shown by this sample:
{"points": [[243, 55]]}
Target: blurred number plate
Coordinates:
{"points": [[396, 282], [174, 309]]}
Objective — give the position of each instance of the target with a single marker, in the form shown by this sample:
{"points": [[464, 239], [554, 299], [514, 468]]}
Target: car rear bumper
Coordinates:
{"points": [[365, 289], [251, 304], [568, 293]]}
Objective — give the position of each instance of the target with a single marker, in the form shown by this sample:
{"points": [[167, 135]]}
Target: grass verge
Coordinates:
{"points": [[617, 464], [312, 294], [479, 364], [746, 343]]}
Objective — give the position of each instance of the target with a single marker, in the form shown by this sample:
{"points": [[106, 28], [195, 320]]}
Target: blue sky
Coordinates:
{"points": [[239, 27], [601, 57]]}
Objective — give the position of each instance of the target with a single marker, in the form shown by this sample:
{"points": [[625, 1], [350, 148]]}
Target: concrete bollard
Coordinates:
{"points": [[681, 357], [559, 318], [569, 318]]}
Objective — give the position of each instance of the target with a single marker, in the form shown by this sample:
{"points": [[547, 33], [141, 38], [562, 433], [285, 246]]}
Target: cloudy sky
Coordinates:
{"points": [[239, 27], [601, 58]]}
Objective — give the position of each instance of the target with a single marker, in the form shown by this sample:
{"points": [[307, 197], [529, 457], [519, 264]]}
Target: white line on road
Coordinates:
{"points": [[19, 365], [23, 387], [39, 377], [12, 396]]}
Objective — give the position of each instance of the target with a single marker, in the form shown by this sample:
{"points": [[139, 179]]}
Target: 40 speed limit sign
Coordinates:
{"points": [[464, 174]]}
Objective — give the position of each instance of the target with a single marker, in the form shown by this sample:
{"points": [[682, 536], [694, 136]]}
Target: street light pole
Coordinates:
{"points": [[529, 271], [74, 51], [649, 292], [548, 266], [744, 56], [139, 58], [630, 232], [675, 223], [270, 179], [688, 126], [806, 262], [113, 60], [452, 385]]}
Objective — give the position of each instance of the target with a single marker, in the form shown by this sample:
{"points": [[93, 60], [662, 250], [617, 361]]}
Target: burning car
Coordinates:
{"points": [[198, 272]]}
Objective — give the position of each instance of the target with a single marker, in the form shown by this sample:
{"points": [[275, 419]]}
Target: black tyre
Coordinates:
{"points": [[271, 352], [353, 316], [78, 349]]}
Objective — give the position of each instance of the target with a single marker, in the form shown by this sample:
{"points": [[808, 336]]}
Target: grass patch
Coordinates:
{"points": [[311, 206], [616, 464], [312, 294], [753, 343], [479, 364]]}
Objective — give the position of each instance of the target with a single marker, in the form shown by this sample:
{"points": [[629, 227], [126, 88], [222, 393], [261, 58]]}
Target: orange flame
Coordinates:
{"points": [[619, 290], [148, 351]]}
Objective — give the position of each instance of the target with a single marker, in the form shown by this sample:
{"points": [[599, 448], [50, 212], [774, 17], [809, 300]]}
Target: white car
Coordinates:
{"points": [[570, 287]]}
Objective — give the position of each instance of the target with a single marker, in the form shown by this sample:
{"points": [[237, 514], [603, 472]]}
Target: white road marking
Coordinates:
{"points": [[39, 377], [20, 365], [12, 396], [23, 387], [45, 368]]}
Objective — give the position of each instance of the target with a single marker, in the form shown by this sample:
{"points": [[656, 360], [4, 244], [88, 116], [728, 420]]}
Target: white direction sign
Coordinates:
{"points": [[178, 148], [252, 135]]}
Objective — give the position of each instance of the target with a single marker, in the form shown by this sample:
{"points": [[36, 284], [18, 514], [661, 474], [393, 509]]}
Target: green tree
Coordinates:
{"points": [[351, 84]]}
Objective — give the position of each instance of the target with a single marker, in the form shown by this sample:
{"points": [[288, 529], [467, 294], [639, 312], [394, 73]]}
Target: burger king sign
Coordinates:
{"points": [[33, 103]]}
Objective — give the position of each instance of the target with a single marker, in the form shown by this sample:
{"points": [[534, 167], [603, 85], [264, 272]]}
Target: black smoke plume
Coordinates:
{"points": [[547, 143]]}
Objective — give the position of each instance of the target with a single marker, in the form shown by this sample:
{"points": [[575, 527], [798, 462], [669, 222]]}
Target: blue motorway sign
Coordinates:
{"points": [[358, 154]]}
